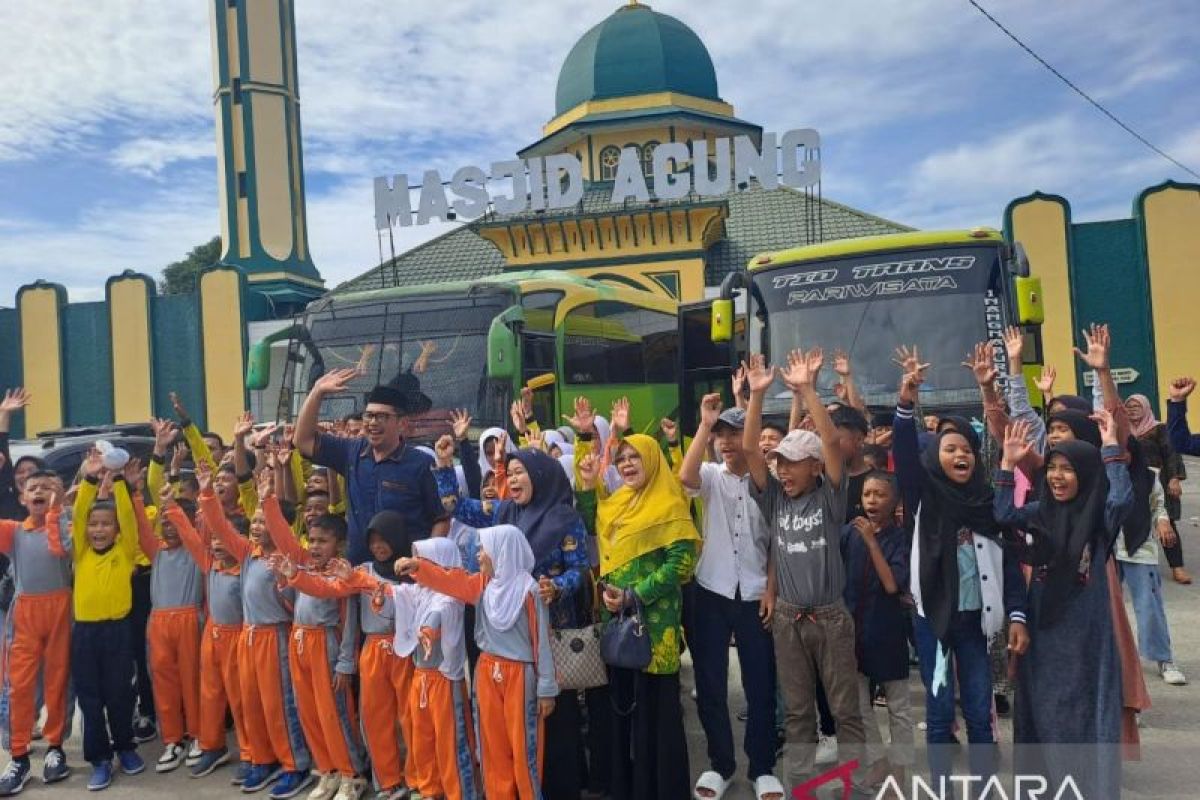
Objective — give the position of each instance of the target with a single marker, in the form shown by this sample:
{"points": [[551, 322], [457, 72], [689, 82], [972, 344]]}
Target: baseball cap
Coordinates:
{"points": [[799, 445], [733, 417]]}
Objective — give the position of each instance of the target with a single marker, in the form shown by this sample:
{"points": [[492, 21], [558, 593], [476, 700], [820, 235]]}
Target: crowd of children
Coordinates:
{"points": [[373, 639]]}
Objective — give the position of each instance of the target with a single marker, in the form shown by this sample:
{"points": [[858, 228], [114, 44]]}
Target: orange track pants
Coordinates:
{"points": [[384, 680], [510, 731], [173, 657], [40, 641], [220, 687], [268, 703], [327, 716], [443, 737]]}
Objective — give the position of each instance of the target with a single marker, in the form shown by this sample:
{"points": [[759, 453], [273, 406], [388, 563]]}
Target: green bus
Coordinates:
{"points": [[943, 291], [476, 344]]}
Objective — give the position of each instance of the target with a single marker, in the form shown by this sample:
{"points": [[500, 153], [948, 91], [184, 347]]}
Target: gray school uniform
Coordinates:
{"points": [[322, 613], [224, 597], [263, 602], [515, 644], [35, 569], [375, 622], [175, 580]]}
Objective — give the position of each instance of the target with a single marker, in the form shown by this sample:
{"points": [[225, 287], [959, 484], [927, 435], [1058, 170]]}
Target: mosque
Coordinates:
{"points": [[637, 79]]}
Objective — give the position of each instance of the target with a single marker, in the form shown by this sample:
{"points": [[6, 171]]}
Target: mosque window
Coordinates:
{"points": [[609, 158], [648, 157]]}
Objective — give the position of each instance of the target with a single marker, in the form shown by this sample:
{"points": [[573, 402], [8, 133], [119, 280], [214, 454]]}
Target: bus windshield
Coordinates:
{"points": [[943, 301], [432, 348]]}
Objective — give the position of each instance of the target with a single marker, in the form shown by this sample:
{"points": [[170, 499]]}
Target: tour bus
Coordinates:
{"points": [[942, 291], [475, 344]]}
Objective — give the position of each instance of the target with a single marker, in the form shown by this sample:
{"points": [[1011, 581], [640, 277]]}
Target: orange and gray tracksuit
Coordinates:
{"points": [[37, 636], [271, 719]]}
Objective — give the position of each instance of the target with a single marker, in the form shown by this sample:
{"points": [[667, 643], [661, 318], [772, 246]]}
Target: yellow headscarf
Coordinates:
{"points": [[631, 523]]}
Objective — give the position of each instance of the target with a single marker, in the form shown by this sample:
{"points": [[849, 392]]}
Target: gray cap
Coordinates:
{"points": [[733, 417], [799, 445]]}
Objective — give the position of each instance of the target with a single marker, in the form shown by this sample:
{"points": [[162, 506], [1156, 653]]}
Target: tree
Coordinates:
{"points": [[181, 277]]}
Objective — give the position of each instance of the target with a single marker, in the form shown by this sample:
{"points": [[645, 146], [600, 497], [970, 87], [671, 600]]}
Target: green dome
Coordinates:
{"points": [[635, 51]]}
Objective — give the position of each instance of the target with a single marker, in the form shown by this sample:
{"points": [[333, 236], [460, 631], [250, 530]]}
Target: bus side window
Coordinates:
{"points": [[610, 342]]}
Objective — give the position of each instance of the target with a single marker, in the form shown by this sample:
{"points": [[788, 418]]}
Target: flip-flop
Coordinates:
{"points": [[713, 782], [765, 785]]}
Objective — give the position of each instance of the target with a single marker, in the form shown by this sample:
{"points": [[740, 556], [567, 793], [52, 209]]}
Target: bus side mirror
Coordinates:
{"points": [[722, 321], [258, 367], [1030, 308], [502, 355]]}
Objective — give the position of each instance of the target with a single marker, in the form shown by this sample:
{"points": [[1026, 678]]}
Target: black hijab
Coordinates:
{"points": [[946, 508], [1136, 528], [1069, 537], [1081, 424], [1074, 402], [550, 514], [390, 526]]}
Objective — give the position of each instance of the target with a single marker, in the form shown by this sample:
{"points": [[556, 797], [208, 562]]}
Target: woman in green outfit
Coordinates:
{"points": [[648, 547]]}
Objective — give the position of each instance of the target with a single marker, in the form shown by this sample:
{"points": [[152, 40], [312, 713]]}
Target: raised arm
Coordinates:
{"points": [[841, 365], [127, 521], [305, 436], [1120, 486], [216, 521], [1097, 357], [689, 471], [1019, 406], [453, 582], [759, 377], [191, 434], [906, 449], [1016, 445], [1182, 439], [801, 377], [280, 532], [187, 531]]}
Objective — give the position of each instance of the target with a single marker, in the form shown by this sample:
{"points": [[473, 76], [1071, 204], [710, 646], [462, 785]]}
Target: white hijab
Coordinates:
{"points": [[512, 559], [443, 552], [485, 466]]}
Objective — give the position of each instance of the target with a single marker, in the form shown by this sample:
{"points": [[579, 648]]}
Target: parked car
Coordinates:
{"points": [[64, 450]]}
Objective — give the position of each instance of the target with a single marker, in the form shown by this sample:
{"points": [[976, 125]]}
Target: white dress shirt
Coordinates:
{"points": [[736, 539]]}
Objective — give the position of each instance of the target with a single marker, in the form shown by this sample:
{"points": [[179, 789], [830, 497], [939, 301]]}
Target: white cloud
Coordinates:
{"points": [[148, 157]]}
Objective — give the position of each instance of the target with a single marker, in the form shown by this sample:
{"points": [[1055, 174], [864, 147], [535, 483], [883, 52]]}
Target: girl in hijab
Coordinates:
{"points": [[494, 444], [540, 503], [648, 548], [962, 583], [429, 635], [515, 685], [1069, 681], [1156, 446]]}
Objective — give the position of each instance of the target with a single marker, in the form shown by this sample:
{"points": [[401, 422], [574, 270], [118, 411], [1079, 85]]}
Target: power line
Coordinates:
{"points": [[1084, 94]]}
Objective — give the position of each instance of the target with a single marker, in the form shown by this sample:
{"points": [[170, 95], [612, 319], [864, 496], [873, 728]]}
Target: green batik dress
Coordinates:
{"points": [[656, 578]]}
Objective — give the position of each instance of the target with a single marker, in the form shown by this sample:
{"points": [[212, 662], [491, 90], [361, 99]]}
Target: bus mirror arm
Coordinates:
{"points": [[258, 361], [502, 344], [721, 327]]}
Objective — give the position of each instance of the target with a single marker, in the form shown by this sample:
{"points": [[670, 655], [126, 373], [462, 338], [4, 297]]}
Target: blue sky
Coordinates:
{"points": [[928, 114]]}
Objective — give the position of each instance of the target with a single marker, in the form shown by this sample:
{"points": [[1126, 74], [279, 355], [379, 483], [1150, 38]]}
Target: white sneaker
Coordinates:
{"points": [[195, 753], [827, 749], [1171, 674], [172, 756], [352, 789], [327, 787]]}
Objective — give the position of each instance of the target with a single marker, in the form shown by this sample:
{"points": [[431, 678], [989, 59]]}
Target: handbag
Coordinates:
{"points": [[625, 642], [577, 661]]}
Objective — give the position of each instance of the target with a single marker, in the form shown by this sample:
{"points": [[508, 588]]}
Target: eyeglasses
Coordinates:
{"points": [[626, 457], [381, 416]]}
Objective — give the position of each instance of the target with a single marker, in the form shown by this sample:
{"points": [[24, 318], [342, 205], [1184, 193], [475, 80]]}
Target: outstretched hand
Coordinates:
{"points": [[759, 375], [1045, 383], [981, 364], [336, 381], [460, 420], [1108, 427], [1099, 347], [1180, 389], [1017, 445], [15, 400], [584, 418]]}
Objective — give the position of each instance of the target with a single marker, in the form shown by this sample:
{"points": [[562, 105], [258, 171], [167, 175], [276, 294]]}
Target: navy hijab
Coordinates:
{"points": [[550, 514]]}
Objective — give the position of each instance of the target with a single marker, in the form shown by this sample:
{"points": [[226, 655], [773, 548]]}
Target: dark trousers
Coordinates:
{"points": [[599, 738], [1175, 552], [102, 670], [139, 617], [564, 768], [971, 669], [650, 758], [716, 618]]}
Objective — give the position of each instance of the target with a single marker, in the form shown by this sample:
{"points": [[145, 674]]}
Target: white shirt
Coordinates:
{"points": [[736, 539], [1148, 552]]}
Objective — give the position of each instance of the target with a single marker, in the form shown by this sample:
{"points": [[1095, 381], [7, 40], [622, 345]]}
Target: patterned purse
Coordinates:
{"points": [[577, 661]]}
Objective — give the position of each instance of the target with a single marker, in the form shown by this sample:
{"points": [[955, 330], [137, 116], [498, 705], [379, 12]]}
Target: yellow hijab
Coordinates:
{"points": [[632, 522]]}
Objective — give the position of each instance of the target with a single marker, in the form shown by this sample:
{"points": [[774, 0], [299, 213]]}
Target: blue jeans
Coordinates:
{"points": [[716, 617], [971, 670], [1145, 588]]}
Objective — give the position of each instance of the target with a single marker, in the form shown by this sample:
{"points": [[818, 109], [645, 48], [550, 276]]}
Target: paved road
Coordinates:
{"points": [[1170, 736]]}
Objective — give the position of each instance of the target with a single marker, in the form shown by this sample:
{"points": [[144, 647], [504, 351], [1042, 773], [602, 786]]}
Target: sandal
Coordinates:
{"points": [[714, 784], [768, 787]]}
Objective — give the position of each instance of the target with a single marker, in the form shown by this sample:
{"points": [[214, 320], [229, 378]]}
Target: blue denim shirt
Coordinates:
{"points": [[403, 482]]}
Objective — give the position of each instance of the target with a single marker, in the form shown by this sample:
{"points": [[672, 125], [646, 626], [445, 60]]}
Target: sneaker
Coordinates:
{"points": [[291, 784], [1171, 674], [172, 756], [131, 762], [259, 776], [240, 773], [352, 789], [209, 760], [194, 754], [144, 729], [327, 787], [54, 768], [827, 749], [15, 776], [102, 774]]}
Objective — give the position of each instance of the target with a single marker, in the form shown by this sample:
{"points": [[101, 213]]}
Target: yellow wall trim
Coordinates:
{"points": [[40, 307], [129, 321], [1041, 224], [223, 329], [263, 277], [637, 102]]}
